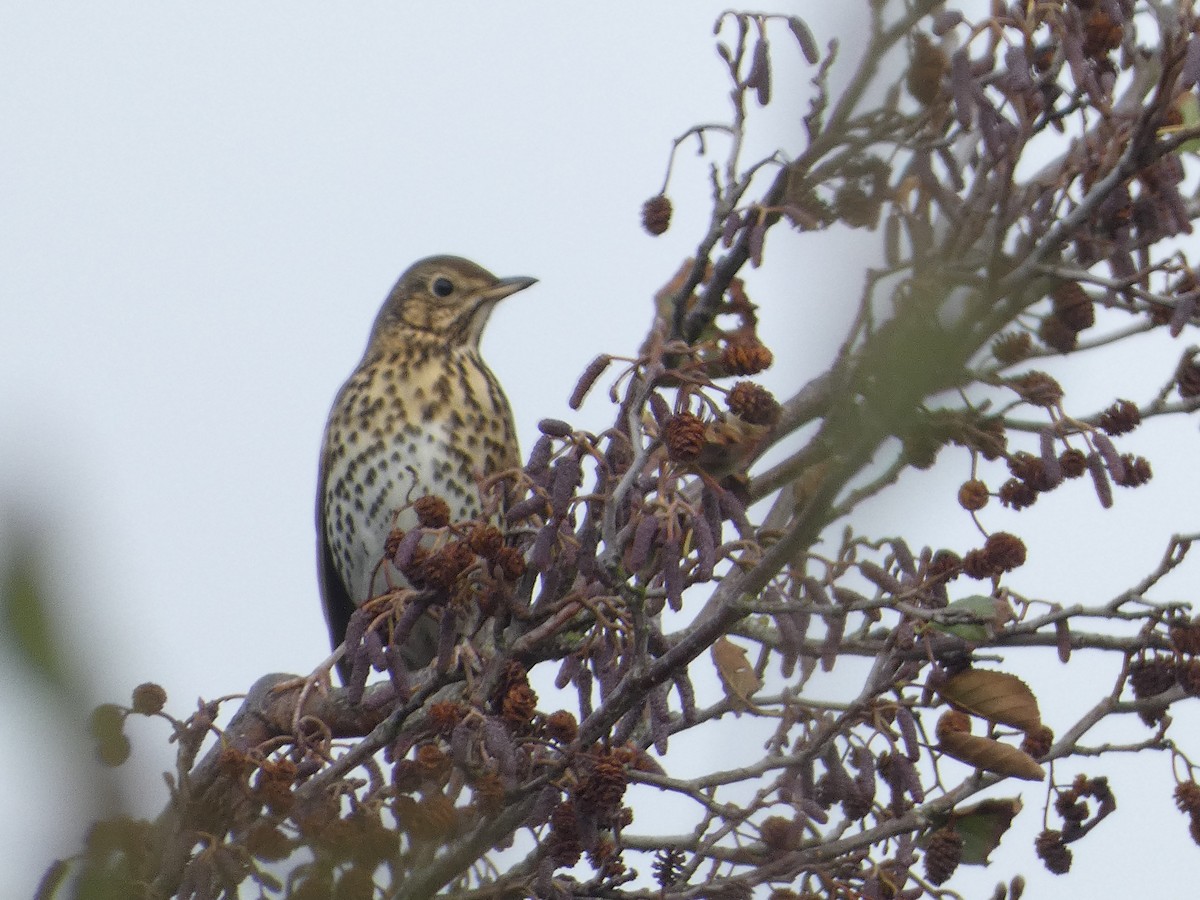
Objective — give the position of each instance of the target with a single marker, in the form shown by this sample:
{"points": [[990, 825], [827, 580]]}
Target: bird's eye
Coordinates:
{"points": [[443, 287]]}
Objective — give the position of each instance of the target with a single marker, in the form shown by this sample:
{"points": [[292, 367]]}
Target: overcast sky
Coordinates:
{"points": [[202, 208]]}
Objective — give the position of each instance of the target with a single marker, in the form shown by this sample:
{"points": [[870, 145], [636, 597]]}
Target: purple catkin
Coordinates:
{"points": [[660, 719], [847, 597], [758, 232], [706, 551], [1116, 466], [500, 745], [864, 779], [1184, 309], [604, 670], [732, 508], [356, 629], [908, 778], [643, 541], [583, 687], [542, 555], [804, 37], [539, 456], [904, 557], [815, 592], [408, 618], [539, 813], [360, 668], [838, 776], [373, 644], [672, 573], [625, 726], [835, 627], [522, 510], [710, 507], [759, 77], [397, 671], [568, 475], [1050, 464], [460, 743], [729, 231], [554, 428], [407, 548], [447, 639], [790, 642], [962, 87], [659, 408], [1100, 479], [589, 539], [687, 697], [945, 20], [566, 671], [594, 370], [880, 577]]}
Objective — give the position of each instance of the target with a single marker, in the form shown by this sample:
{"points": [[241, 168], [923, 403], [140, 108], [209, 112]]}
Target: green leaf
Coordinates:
{"points": [[26, 624], [1188, 106], [982, 826], [976, 606]]}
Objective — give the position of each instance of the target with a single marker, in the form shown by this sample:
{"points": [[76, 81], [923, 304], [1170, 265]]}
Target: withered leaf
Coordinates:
{"points": [[991, 755], [737, 675], [995, 696]]}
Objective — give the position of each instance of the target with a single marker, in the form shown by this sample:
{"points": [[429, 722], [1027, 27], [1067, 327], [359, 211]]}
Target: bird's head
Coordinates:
{"points": [[447, 298]]}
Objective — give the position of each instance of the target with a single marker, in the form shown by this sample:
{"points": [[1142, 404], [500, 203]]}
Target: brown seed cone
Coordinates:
{"points": [[1072, 462], [1037, 388], [753, 404], [432, 512], [1012, 347], [1120, 418], [561, 726], [1052, 852], [1187, 798], [486, 540], [1185, 637], [973, 495], [1188, 676], [149, 698], [1006, 551], [564, 846], [1137, 471], [945, 564], [440, 570], [1057, 334], [1073, 306], [683, 436], [943, 854], [778, 833], [1151, 676], [511, 562], [1037, 743], [1188, 383], [1101, 34], [1017, 494], [445, 716], [929, 65], [745, 357], [656, 214]]}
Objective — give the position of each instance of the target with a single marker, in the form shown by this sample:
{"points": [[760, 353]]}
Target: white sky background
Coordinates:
{"points": [[202, 208]]}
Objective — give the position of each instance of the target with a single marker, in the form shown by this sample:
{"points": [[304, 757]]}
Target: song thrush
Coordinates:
{"points": [[421, 415]]}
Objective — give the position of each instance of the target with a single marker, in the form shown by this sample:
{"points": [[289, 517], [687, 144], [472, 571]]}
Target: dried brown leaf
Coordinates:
{"points": [[995, 696], [735, 671]]}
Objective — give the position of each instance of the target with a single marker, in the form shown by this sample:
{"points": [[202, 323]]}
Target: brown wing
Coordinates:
{"points": [[335, 598]]}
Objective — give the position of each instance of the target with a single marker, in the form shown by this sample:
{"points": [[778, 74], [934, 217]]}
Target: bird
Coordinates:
{"points": [[421, 414]]}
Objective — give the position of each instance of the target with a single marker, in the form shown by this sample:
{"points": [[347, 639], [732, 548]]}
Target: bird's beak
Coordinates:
{"points": [[506, 286]]}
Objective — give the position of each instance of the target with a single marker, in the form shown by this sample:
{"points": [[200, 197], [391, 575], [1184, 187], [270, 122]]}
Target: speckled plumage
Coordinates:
{"points": [[421, 414]]}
